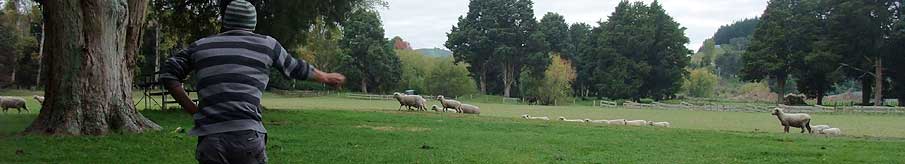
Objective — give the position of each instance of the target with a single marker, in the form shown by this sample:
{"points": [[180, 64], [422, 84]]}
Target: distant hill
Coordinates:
{"points": [[435, 52]]}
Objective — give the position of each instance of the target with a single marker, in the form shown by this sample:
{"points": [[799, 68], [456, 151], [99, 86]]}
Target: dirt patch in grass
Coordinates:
{"points": [[391, 128]]}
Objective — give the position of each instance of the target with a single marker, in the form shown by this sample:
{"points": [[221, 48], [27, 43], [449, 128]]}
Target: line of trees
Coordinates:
{"points": [[820, 43], [637, 53]]}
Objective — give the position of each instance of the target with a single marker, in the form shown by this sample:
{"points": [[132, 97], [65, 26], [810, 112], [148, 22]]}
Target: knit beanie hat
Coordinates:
{"points": [[240, 15]]}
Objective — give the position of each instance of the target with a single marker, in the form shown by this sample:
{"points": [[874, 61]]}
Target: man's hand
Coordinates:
{"points": [[333, 79]]}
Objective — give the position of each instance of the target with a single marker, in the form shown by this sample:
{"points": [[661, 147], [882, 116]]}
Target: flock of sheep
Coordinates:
{"points": [[419, 103], [803, 121], [17, 103], [609, 122]]}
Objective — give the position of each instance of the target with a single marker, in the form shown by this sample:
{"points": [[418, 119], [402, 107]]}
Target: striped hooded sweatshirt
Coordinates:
{"points": [[231, 70]]}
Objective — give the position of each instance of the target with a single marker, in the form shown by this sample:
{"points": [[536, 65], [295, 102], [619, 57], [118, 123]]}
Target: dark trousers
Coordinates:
{"points": [[238, 147]]}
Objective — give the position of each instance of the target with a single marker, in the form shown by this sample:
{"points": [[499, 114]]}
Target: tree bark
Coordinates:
{"points": [[878, 81], [820, 94], [508, 79], [89, 73]]}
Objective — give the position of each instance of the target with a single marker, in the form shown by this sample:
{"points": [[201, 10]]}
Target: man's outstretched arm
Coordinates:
{"points": [[300, 69]]}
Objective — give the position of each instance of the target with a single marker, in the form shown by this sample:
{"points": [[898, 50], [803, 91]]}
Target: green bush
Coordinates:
{"points": [[449, 79], [700, 83]]}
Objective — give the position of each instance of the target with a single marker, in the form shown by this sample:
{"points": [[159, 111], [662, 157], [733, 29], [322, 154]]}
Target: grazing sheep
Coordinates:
{"points": [[616, 122], [798, 120], [13, 102], [659, 124], [448, 103], [39, 98], [830, 131], [469, 109], [410, 101], [570, 120], [596, 121], [817, 128], [526, 116], [636, 123]]}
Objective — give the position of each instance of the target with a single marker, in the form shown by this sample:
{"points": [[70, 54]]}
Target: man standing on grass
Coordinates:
{"points": [[231, 69]]}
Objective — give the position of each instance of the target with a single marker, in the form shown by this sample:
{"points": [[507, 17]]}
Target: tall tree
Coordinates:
{"points": [[372, 56], [580, 34], [859, 29], [778, 41], [639, 52], [89, 90], [494, 31]]}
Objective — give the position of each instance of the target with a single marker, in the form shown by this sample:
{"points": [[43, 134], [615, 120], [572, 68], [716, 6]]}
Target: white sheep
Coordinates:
{"points": [[13, 102], [659, 124], [817, 128], [410, 101], [570, 120], [596, 121], [526, 116], [798, 120], [830, 131], [448, 103], [469, 109], [39, 98], [616, 122], [437, 109], [636, 123]]}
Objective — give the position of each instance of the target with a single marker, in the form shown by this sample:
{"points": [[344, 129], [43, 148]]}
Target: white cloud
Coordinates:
{"points": [[425, 23]]}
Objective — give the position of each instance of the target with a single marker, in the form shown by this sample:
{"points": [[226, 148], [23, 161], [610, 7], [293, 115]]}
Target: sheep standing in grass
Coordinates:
{"points": [[659, 124], [39, 98], [410, 101], [469, 109], [570, 120], [448, 103], [526, 116], [13, 102], [817, 128], [798, 120], [830, 131], [636, 123]]}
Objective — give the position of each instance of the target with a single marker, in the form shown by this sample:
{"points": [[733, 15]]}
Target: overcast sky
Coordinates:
{"points": [[424, 23]]}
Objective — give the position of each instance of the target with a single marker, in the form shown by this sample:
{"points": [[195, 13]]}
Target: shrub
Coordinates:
{"points": [[700, 83]]}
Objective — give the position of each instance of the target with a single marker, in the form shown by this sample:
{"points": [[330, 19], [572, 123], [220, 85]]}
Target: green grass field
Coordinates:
{"points": [[338, 130]]}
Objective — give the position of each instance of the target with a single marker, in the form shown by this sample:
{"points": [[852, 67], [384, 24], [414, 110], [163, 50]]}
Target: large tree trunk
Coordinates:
{"points": [[364, 84], [878, 80], [89, 76], [820, 94], [508, 79], [781, 84], [40, 58], [866, 90]]}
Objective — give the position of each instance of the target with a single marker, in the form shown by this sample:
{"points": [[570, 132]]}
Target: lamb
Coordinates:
{"points": [[616, 122], [13, 102], [39, 98], [798, 120], [596, 121], [817, 128], [437, 109], [448, 103], [526, 116], [830, 131], [570, 120], [410, 101], [469, 109], [636, 123], [659, 124]]}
